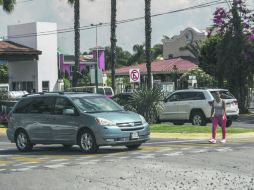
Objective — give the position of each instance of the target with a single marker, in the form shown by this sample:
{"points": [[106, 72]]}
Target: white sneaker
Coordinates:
{"points": [[223, 141], [213, 141]]}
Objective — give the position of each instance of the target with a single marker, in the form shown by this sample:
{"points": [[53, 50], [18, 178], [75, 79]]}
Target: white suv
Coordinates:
{"points": [[195, 106]]}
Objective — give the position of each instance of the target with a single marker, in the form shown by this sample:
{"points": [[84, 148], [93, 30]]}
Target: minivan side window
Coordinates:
{"points": [[62, 104], [23, 106], [41, 105]]}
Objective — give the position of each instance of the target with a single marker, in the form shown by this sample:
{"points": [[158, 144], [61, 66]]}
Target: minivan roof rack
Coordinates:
{"points": [[42, 93]]}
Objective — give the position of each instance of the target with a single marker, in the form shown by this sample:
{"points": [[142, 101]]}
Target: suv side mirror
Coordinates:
{"points": [[68, 112]]}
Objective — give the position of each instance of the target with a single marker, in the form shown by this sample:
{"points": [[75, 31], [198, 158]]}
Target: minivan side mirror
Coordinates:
{"points": [[68, 112]]}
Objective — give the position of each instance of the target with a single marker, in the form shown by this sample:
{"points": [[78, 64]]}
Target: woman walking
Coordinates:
{"points": [[218, 114]]}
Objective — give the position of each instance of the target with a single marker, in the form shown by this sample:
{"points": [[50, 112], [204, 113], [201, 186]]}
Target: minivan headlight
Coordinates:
{"points": [[101, 121], [143, 120]]}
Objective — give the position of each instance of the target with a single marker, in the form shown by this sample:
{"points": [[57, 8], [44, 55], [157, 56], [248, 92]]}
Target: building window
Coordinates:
{"points": [[45, 86], [23, 86]]}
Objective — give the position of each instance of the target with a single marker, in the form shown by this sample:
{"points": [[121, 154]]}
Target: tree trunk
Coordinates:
{"points": [[148, 31], [75, 75], [113, 43]]}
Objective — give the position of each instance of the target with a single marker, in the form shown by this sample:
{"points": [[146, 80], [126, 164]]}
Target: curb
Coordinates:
{"points": [[3, 131], [199, 136]]}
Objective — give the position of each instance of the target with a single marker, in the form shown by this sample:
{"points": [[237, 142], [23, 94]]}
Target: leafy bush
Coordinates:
{"points": [[148, 103]]}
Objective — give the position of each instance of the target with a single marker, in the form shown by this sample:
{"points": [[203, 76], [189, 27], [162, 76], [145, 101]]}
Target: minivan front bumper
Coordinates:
{"points": [[115, 136]]}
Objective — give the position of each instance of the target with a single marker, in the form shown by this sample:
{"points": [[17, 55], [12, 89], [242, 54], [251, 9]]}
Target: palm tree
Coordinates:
{"points": [[113, 43], [139, 53], [148, 31], [76, 5], [8, 6]]}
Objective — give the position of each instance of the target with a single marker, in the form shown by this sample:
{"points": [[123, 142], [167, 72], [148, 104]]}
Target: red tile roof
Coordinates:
{"points": [[160, 67], [11, 48]]}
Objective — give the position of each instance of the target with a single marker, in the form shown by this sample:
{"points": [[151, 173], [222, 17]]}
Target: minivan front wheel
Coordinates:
{"points": [[22, 141], [198, 118], [87, 141]]}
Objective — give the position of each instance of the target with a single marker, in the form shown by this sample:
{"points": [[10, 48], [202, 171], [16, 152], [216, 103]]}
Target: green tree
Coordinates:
{"points": [[147, 102], [4, 73], [148, 31], [122, 57], [157, 51], [8, 5], [208, 59], [113, 43], [85, 78], [138, 55], [203, 79], [233, 52]]}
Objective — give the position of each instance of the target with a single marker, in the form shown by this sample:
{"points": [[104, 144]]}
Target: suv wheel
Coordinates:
{"points": [[198, 118], [133, 147], [22, 141], [87, 141]]}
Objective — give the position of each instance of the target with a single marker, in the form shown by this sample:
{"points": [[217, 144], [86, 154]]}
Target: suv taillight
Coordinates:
{"points": [[210, 103]]}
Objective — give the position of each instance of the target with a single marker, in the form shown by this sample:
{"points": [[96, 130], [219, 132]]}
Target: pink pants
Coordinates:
{"points": [[223, 122]]}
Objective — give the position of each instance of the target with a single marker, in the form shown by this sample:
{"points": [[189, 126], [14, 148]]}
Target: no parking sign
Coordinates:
{"points": [[134, 75]]}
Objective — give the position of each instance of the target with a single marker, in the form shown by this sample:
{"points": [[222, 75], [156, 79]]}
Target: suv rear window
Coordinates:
{"points": [[224, 94]]}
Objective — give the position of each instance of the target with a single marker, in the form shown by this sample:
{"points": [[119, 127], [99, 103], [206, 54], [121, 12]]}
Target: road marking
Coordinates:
{"points": [[23, 169], [4, 163], [59, 160], [26, 163], [224, 149], [1, 170], [174, 154], [25, 159], [146, 156], [171, 142], [53, 166], [199, 151]]}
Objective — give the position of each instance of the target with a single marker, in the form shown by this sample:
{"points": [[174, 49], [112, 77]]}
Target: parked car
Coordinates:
{"points": [[195, 106], [5, 108], [87, 120], [104, 90]]}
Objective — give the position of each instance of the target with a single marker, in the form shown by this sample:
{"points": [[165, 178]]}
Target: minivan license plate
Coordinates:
{"points": [[134, 135]]}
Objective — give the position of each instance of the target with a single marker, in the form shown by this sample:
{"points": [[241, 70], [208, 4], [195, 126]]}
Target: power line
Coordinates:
{"points": [[88, 27]]}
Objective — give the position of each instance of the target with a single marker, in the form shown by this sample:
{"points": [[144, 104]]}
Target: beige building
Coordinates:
{"points": [[171, 46]]}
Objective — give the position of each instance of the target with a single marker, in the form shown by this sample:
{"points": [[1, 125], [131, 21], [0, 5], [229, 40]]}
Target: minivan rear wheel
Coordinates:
{"points": [[23, 143], [87, 141], [198, 118]]}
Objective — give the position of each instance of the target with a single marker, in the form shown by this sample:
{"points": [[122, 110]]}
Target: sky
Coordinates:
{"points": [[94, 12]]}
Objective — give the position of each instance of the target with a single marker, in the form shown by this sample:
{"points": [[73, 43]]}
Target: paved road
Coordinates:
{"points": [[159, 164]]}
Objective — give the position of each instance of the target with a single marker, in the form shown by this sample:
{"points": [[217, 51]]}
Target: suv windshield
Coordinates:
{"points": [[224, 94], [96, 104]]}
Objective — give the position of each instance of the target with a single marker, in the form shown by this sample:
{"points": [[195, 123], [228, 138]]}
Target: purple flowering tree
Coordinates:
{"points": [[235, 51]]}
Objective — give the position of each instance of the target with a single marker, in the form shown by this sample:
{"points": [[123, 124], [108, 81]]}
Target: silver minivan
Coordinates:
{"points": [[87, 120]]}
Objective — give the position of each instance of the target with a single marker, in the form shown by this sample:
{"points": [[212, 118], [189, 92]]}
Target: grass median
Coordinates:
{"points": [[195, 132]]}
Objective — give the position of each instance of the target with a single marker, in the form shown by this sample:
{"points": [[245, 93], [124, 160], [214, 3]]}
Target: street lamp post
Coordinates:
{"points": [[97, 56]]}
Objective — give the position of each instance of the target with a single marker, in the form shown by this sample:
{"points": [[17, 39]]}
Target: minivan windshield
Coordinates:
{"points": [[96, 104]]}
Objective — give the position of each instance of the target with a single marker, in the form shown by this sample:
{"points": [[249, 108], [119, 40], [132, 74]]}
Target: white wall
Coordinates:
{"points": [[45, 69], [47, 65]]}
